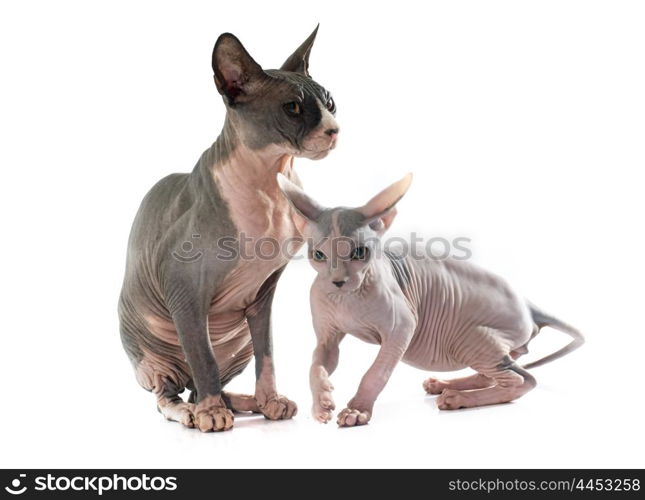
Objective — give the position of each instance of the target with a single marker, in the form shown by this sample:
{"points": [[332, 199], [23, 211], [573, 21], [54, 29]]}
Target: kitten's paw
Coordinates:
{"points": [[433, 385], [351, 418], [278, 407], [323, 406], [211, 415], [450, 399]]}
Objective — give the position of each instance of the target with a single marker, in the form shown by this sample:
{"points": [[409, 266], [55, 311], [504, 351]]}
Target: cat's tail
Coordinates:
{"points": [[542, 319]]}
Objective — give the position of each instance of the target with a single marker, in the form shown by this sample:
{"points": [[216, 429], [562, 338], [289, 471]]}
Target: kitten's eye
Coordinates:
{"points": [[331, 105], [292, 108], [319, 256], [359, 253]]}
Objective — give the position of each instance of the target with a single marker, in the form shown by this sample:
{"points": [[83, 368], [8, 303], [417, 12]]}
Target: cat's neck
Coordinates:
{"points": [[236, 163], [246, 180]]}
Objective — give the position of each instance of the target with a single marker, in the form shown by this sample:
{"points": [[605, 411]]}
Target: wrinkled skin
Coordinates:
{"points": [[195, 306], [434, 315]]}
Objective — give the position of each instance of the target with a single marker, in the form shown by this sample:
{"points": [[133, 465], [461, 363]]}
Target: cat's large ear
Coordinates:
{"points": [[298, 62], [299, 200], [380, 211], [236, 74]]}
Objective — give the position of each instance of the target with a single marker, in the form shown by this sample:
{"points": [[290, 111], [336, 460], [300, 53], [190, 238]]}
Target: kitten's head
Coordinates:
{"points": [[284, 108], [343, 241]]}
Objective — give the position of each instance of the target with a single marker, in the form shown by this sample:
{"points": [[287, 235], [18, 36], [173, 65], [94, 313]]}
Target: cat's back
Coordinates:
{"points": [[160, 207]]}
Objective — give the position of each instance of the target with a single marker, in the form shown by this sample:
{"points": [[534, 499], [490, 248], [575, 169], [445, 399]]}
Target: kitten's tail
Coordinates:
{"points": [[542, 319]]}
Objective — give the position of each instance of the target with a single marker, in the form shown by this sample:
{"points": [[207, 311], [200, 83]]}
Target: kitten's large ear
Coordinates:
{"points": [[236, 74], [380, 211], [299, 200], [298, 62]]}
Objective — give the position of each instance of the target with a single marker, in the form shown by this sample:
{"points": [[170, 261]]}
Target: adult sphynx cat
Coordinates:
{"points": [[436, 315], [196, 299]]}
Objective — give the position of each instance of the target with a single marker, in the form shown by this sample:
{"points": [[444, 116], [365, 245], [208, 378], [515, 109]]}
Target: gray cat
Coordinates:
{"points": [[196, 299], [434, 315]]}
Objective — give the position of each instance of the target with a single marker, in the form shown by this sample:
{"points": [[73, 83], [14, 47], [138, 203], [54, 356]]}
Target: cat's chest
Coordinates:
{"points": [[267, 235], [266, 239]]}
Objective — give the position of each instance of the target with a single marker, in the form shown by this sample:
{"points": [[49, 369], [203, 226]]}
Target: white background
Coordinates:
{"points": [[523, 123]]}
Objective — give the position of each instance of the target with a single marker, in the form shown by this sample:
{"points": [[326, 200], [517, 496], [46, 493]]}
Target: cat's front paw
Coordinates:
{"points": [[351, 418], [212, 415]]}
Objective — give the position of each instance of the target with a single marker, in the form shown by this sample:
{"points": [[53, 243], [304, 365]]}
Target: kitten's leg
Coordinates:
{"points": [[476, 381], [324, 362], [511, 382], [359, 409]]}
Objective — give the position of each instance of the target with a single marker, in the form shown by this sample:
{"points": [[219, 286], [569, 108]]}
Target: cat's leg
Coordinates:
{"points": [[190, 319], [476, 381], [258, 315], [166, 380], [511, 381], [175, 409], [240, 402], [234, 402]]}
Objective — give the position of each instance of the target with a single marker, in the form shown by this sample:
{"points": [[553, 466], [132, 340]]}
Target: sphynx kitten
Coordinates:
{"points": [[196, 299], [437, 315]]}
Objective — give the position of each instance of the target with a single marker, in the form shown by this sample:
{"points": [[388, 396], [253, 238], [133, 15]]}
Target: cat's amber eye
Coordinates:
{"points": [[319, 256], [331, 105], [359, 253], [293, 108]]}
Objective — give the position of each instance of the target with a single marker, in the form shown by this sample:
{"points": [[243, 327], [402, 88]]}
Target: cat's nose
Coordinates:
{"points": [[332, 132], [339, 283]]}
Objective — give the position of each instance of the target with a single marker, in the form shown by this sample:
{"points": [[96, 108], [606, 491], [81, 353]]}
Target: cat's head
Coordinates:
{"points": [[343, 241], [283, 108]]}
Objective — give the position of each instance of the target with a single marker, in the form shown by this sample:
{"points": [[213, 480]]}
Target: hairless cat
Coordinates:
{"points": [[437, 315], [196, 300]]}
